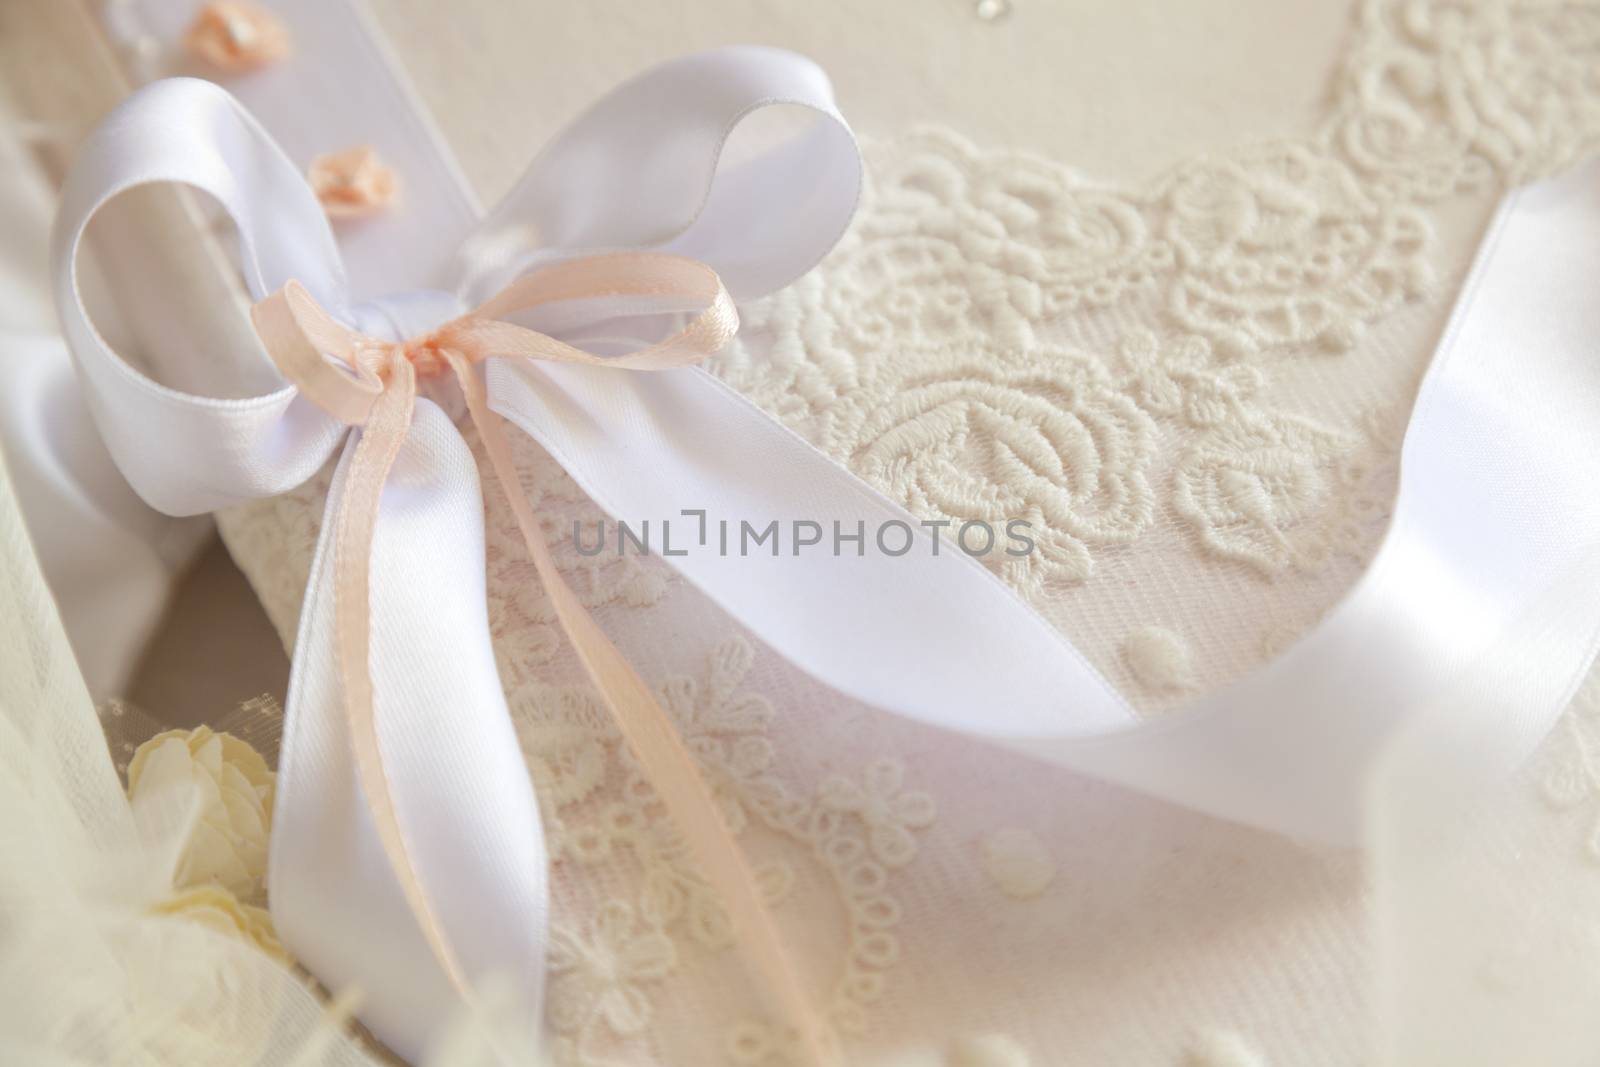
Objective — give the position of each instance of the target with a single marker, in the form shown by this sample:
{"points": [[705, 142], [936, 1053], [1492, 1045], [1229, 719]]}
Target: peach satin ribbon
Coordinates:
{"points": [[379, 398]]}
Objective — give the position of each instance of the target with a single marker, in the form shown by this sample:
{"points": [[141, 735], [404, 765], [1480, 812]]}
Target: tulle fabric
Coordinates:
{"points": [[89, 976]]}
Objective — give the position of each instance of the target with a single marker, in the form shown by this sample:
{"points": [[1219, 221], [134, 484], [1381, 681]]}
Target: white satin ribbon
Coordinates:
{"points": [[1496, 500], [1489, 515]]}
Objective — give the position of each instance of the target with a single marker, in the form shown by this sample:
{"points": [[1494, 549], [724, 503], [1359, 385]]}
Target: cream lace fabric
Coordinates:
{"points": [[1195, 387], [1194, 390]]}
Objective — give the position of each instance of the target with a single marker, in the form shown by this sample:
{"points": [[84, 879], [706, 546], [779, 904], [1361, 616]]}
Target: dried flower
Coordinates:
{"points": [[354, 183], [227, 844], [215, 907], [235, 37]]}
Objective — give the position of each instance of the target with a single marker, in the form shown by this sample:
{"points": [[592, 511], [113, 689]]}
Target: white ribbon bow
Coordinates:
{"points": [[639, 171], [1489, 516]]}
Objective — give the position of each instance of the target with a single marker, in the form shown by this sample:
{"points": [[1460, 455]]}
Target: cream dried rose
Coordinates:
{"points": [[215, 907], [227, 844]]}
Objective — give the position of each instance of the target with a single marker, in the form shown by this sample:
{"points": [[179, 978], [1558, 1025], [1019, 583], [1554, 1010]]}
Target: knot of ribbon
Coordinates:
{"points": [[299, 333]]}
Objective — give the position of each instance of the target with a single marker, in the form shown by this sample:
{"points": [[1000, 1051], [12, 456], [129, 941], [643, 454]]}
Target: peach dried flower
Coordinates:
{"points": [[235, 37], [353, 183]]}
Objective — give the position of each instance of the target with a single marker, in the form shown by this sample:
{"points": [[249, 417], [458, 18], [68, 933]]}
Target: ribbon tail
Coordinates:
{"points": [[440, 882], [377, 447], [649, 731]]}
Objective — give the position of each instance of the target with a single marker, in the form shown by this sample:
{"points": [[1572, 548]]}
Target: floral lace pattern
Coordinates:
{"points": [[857, 829], [924, 351]]}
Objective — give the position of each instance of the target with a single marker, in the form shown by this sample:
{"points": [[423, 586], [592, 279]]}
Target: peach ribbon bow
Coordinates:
{"points": [[379, 398]]}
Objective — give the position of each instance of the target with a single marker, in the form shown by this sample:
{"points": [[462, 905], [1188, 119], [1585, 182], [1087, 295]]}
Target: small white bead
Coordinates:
{"points": [[987, 1050], [1018, 863], [1159, 659], [1222, 1048], [992, 10]]}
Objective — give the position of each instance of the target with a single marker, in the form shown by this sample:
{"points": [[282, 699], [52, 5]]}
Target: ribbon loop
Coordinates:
{"points": [[643, 169], [193, 133], [296, 332]]}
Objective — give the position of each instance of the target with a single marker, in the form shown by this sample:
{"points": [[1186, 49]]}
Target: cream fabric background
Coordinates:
{"points": [[964, 907], [1121, 89]]}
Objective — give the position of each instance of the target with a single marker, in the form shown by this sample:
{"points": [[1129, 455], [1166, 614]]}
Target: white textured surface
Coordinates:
{"points": [[1122, 89]]}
